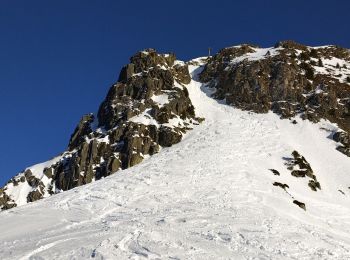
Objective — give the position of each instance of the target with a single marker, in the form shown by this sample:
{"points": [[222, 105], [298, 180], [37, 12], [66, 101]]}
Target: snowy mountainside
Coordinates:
{"points": [[149, 108], [210, 196]]}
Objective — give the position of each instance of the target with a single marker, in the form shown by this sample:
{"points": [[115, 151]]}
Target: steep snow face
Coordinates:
{"points": [[209, 197]]}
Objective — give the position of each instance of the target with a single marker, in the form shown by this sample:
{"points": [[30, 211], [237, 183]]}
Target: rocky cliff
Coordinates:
{"points": [[290, 79], [146, 109], [149, 108]]}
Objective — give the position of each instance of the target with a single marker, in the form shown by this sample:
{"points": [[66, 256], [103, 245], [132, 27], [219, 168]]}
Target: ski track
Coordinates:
{"points": [[208, 197]]}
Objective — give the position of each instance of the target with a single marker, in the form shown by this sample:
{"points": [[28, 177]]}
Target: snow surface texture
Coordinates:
{"points": [[208, 197], [258, 54]]}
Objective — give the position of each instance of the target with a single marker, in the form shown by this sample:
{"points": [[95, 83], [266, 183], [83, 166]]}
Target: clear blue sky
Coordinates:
{"points": [[58, 58]]}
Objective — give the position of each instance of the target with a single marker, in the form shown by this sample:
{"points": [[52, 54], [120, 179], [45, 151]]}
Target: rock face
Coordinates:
{"points": [[147, 108], [288, 79]]}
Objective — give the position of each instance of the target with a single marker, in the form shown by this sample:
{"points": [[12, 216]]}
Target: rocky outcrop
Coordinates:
{"points": [[300, 168], [5, 201], [290, 79], [300, 204], [344, 139], [275, 172], [82, 129], [281, 185], [149, 107]]}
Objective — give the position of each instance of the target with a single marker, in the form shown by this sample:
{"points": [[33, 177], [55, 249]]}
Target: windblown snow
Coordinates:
{"points": [[208, 197]]}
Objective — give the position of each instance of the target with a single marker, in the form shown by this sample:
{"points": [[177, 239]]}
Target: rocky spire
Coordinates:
{"points": [[135, 119]]}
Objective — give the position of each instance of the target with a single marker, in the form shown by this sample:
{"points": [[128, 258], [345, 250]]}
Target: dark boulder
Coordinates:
{"points": [[281, 185], [169, 136], [34, 195], [275, 172], [314, 185], [300, 204]]}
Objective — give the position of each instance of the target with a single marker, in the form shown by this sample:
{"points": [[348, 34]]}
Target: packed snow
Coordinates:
{"points": [[256, 54], [208, 197], [144, 118], [161, 99]]}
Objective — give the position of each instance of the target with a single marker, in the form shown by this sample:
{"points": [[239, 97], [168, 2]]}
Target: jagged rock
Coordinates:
{"points": [[82, 129], [126, 72], [181, 74], [281, 185], [134, 159], [34, 195], [150, 58], [300, 168], [300, 204], [299, 173], [32, 180], [48, 172], [342, 137], [113, 164], [5, 201], [289, 44], [343, 149], [314, 185], [168, 136], [304, 167], [275, 172]]}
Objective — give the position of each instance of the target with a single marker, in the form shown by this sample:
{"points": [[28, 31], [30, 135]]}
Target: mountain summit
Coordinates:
{"points": [[149, 108], [240, 155]]}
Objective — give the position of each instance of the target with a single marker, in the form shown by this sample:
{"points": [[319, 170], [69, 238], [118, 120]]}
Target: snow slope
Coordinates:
{"points": [[208, 197]]}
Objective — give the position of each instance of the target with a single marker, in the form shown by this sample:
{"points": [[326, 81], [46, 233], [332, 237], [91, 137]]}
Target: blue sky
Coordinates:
{"points": [[58, 58]]}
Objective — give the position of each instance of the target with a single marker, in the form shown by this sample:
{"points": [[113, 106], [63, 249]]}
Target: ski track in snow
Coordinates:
{"points": [[208, 197]]}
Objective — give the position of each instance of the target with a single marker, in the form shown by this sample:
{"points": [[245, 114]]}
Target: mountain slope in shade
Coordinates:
{"points": [[214, 195]]}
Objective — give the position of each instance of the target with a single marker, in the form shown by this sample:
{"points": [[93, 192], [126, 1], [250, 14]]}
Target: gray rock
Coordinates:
{"points": [[34, 195]]}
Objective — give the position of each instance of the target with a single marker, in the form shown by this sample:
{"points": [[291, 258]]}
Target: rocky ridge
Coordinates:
{"points": [[290, 79]]}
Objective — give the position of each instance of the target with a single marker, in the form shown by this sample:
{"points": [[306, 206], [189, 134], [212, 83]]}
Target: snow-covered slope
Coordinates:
{"points": [[209, 197]]}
